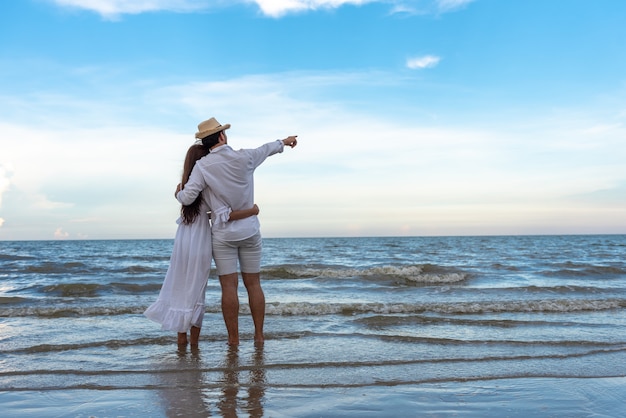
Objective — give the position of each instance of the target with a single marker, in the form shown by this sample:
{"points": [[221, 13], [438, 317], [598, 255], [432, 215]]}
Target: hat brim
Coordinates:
{"points": [[204, 134]]}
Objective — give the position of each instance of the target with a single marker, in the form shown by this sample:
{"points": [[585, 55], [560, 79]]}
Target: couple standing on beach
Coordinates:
{"points": [[217, 180]]}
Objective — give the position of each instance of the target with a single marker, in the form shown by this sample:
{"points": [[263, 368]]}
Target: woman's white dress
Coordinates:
{"points": [[181, 300]]}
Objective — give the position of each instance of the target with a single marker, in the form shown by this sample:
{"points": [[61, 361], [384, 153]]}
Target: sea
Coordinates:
{"points": [[484, 326]]}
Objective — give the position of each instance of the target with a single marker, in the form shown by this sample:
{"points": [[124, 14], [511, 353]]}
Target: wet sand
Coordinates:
{"points": [[525, 397]]}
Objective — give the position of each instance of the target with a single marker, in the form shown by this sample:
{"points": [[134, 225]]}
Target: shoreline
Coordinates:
{"points": [[520, 397]]}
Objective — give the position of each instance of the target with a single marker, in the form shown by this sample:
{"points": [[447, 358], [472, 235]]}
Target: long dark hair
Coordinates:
{"points": [[195, 152]]}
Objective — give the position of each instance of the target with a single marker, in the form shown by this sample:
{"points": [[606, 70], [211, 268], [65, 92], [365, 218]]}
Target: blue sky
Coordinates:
{"points": [[424, 117]]}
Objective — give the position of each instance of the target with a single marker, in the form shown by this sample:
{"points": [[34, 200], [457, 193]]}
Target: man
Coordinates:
{"points": [[229, 176]]}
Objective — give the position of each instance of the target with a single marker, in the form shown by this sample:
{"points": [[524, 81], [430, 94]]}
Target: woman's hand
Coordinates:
{"points": [[178, 188], [235, 215]]}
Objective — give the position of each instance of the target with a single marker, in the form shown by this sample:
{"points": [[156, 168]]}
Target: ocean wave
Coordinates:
{"points": [[76, 267], [68, 311], [577, 348], [136, 287], [73, 289], [6, 300], [411, 274], [500, 266], [57, 268], [558, 305], [152, 258], [139, 269], [383, 321], [14, 257], [320, 309], [113, 344], [96, 289], [563, 289], [570, 269]]}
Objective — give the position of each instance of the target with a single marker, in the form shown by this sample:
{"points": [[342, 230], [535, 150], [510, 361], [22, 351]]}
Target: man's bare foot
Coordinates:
{"points": [[182, 338], [194, 336]]}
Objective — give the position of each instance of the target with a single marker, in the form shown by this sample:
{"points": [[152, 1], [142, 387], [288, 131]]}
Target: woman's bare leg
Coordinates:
{"points": [[194, 336]]}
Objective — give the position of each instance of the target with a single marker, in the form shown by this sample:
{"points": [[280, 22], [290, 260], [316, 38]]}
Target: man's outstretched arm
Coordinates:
{"points": [[258, 155]]}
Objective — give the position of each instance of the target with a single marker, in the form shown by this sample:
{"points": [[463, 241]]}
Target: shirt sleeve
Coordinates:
{"points": [[192, 188], [220, 216], [258, 155]]}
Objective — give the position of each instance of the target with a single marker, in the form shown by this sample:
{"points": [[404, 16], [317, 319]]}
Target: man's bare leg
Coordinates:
{"points": [[230, 306], [256, 300]]}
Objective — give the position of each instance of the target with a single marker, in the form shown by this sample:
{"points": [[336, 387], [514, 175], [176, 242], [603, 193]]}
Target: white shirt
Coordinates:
{"points": [[229, 176]]}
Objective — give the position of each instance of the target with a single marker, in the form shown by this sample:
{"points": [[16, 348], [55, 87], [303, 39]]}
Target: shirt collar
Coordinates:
{"points": [[220, 148]]}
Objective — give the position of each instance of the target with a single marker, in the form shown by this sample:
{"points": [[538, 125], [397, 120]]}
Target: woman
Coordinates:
{"points": [[180, 305]]}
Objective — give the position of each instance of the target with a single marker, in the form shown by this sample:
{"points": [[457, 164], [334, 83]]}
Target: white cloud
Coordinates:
{"points": [[604, 129], [426, 61], [113, 9], [277, 8], [5, 182], [452, 5], [104, 174], [60, 234], [42, 202], [425, 7], [446, 177], [353, 164]]}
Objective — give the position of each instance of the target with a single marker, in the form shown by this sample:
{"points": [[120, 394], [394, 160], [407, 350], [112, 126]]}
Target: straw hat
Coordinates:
{"points": [[210, 126]]}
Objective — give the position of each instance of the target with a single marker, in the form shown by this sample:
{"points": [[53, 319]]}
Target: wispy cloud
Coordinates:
{"points": [[427, 7], [426, 61], [113, 9], [4, 182], [604, 129], [277, 8], [465, 172], [452, 5]]}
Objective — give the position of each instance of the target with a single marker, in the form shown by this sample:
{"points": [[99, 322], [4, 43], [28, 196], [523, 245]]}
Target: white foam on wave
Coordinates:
{"points": [[412, 274], [560, 305], [348, 308], [431, 278]]}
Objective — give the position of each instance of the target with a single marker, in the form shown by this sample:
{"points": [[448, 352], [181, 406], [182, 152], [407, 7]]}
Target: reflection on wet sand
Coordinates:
{"points": [[258, 383], [229, 402], [182, 386], [192, 388]]}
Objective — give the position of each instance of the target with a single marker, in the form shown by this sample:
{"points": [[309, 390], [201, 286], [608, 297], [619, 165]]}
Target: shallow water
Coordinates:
{"points": [[352, 324]]}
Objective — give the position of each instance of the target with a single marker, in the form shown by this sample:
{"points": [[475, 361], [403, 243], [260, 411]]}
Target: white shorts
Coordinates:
{"points": [[247, 252]]}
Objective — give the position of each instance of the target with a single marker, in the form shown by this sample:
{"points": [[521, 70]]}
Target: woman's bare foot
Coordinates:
{"points": [[194, 336], [182, 338]]}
